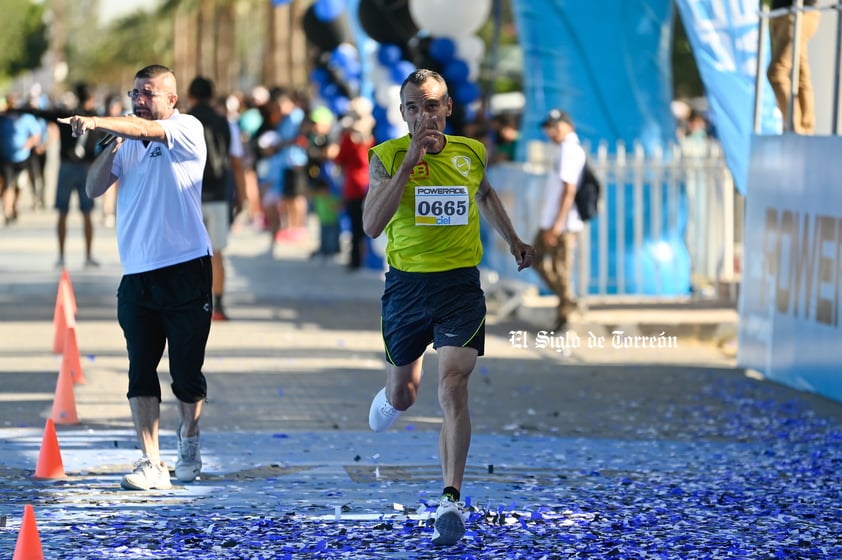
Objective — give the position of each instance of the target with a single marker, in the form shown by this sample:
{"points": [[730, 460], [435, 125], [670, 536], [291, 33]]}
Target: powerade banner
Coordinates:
{"points": [[790, 320], [724, 37], [607, 63]]}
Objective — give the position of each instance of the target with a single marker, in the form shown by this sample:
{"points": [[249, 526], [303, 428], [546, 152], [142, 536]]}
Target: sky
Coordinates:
{"points": [[111, 9]]}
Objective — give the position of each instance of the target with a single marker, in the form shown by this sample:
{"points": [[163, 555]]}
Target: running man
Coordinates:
{"points": [[427, 189]]}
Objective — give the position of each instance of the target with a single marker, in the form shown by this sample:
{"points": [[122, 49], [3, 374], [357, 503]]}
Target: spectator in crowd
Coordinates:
{"points": [[560, 224], [779, 72], [327, 206], [20, 134], [357, 138]]}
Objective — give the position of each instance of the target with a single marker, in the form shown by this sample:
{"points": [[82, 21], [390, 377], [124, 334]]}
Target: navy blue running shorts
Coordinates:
{"points": [[169, 306], [444, 308]]}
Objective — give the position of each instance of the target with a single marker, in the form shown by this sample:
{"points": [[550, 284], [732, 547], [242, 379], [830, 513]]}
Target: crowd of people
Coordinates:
{"points": [[290, 158]]}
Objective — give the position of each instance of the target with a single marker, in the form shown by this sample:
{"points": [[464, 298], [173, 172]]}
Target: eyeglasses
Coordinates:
{"points": [[148, 95]]}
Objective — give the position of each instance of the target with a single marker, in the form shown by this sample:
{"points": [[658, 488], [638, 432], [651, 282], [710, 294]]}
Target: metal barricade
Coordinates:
{"points": [[677, 209]]}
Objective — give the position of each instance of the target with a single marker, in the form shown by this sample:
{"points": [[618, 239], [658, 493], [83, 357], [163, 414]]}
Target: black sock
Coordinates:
{"points": [[452, 492], [217, 302]]}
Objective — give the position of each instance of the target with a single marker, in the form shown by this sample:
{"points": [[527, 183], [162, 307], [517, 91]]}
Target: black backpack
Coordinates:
{"points": [[217, 181], [587, 195]]}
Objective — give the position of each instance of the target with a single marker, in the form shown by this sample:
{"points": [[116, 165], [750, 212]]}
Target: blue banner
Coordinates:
{"points": [[724, 36], [606, 63], [792, 273]]}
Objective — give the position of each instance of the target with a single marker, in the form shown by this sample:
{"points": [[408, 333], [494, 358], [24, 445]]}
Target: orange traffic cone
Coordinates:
{"points": [[64, 312], [28, 546], [49, 459], [64, 403], [71, 299], [59, 324], [70, 361]]}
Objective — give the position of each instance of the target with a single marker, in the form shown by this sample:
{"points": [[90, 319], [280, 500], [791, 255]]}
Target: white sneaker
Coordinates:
{"points": [[449, 524], [189, 462], [147, 476], [382, 414]]}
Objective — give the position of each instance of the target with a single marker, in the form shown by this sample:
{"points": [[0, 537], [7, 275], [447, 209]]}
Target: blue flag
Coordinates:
{"points": [[724, 36], [606, 63]]}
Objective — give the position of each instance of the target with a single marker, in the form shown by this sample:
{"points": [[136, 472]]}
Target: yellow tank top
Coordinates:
{"points": [[436, 226]]}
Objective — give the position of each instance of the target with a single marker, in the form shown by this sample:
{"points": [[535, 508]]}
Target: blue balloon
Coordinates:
{"points": [[380, 114], [456, 72], [339, 105], [345, 58], [401, 70], [329, 91], [466, 92], [388, 55], [442, 49], [320, 77], [328, 10], [384, 130]]}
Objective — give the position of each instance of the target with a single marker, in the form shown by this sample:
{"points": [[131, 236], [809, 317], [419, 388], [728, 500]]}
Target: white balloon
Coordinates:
{"points": [[473, 70], [381, 95], [395, 95], [470, 48], [393, 115], [379, 76], [450, 18]]}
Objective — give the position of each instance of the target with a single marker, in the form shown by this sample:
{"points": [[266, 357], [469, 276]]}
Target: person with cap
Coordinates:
{"points": [[560, 224]]}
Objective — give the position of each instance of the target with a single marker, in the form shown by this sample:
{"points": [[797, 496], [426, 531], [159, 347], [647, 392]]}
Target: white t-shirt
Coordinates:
{"points": [[159, 202], [567, 168]]}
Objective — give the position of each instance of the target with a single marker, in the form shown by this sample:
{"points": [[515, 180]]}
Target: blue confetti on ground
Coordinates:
{"points": [[761, 481]]}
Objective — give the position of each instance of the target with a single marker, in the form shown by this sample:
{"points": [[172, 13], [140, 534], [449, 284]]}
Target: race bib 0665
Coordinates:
{"points": [[441, 206]]}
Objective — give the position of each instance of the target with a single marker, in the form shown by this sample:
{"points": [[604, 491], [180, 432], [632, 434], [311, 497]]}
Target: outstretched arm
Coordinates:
{"points": [[492, 208], [124, 127]]}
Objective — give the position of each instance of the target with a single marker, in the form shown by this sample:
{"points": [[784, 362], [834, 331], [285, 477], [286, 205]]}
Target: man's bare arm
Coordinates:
{"points": [[384, 195], [124, 127], [492, 208]]}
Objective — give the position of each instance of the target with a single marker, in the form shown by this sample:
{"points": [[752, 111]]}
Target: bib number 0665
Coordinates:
{"points": [[441, 206]]}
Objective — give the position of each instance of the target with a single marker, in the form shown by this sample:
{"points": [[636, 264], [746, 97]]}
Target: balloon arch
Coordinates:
{"points": [[368, 47]]}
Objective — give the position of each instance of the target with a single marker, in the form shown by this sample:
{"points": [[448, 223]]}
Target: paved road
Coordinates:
{"points": [[595, 452]]}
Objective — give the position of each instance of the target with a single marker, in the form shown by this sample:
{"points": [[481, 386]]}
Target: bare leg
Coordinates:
{"points": [[402, 384], [89, 233], [218, 268], [298, 217], [190, 413], [455, 367], [61, 230], [146, 413]]}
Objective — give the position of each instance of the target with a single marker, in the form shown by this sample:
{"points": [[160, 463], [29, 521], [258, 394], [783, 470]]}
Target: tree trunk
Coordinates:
{"points": [[227, 68]]}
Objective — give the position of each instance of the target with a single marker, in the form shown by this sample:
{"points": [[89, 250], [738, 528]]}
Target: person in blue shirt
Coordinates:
{"points": [[20, 133]]}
